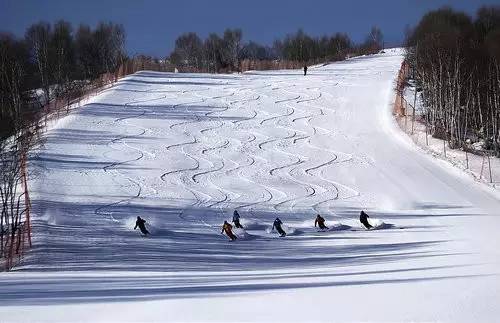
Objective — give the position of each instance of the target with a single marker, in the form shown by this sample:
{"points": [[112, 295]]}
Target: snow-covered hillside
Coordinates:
{"points": [[185, 150]]}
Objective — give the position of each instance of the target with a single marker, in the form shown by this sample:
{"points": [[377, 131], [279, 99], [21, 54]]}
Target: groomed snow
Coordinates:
{"points": [[184, 150]]}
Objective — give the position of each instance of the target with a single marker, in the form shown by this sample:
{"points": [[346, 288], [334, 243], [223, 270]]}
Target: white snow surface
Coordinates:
{"points": [[185, 150]]}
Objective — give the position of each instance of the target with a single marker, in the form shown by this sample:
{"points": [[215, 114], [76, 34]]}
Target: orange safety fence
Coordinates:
{"points": [[400, 104]]}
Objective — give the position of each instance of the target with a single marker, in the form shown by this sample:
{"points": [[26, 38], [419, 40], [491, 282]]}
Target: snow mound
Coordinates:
{"points": [[290, 231], [331, 224], [337, 226], [253, 225], [129, 222], [242, 234], [305, 224], [379, 224], [152, 225]]}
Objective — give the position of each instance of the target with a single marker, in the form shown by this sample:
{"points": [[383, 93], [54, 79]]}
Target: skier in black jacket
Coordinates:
{"points": [[236, 220], [277, 224], [305, 69], [363, 218], [320, 221], [141, 224]]}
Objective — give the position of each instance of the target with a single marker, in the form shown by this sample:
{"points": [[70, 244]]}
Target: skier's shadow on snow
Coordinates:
{"points": [[76, 238], [70, 289], [107, 238]]}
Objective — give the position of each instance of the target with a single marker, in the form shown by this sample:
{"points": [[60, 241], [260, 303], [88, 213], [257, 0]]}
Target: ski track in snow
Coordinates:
{"points": [[113, 165], [185, 150]]}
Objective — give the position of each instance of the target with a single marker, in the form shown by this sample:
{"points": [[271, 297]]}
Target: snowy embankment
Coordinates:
{"points": [[478, 165], [184, 150]]}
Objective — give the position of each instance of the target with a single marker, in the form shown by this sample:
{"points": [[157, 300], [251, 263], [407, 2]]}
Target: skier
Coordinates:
{"points": [[236, 220], [363, 218], [305, 69], [320, 221], [277, 224], [228, 229], [141, 224]]}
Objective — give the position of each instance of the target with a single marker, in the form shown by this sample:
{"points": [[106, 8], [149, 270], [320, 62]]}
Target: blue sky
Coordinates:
{"points": [[153, 25]]}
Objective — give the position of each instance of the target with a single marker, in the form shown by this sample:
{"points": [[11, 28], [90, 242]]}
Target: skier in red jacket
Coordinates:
{"points": [[227, 228]]}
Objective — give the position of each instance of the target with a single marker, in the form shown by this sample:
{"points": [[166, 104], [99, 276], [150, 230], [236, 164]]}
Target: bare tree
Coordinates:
{"points": [[87, 53], [232, 47], [62, 56], [188, 51], [213, 52], [458, 72], [109, 39], [38, 38]]}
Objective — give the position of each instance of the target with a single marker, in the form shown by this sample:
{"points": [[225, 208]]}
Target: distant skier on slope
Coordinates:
{"points": [[277, 224], [305, 69], [226, 227], [363, 218], [236, 219], [141, 223], [320, 221]]}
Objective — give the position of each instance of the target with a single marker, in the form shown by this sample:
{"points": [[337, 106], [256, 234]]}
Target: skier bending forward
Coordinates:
{"points": [[277, 224], [141, 223], [320, 221], [363, 218], [226, 227]]}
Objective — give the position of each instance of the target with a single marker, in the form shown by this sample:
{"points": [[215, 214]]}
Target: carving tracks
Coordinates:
{"points": [[248, 145]]}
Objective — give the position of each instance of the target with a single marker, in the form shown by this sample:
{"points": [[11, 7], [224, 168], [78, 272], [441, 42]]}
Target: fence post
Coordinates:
{"points": [[415, 91], [489, 166], [27, 200], [404, 109], [426, 133], [466, 158], [413, 121], [482, 168]]}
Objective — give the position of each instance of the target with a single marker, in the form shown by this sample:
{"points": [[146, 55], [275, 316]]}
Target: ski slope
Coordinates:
{"points": [[185, 150]]}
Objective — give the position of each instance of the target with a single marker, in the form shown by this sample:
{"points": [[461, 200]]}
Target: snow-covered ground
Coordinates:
{"points": [[184, 150]]}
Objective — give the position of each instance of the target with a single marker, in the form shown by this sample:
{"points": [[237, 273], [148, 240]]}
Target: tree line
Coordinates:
{"points": [[456, 60], [226, 52], [49, 64], [54, 59]]}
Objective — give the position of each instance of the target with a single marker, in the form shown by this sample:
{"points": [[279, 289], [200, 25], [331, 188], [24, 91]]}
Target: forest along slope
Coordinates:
{"points": [[185, 150]]}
